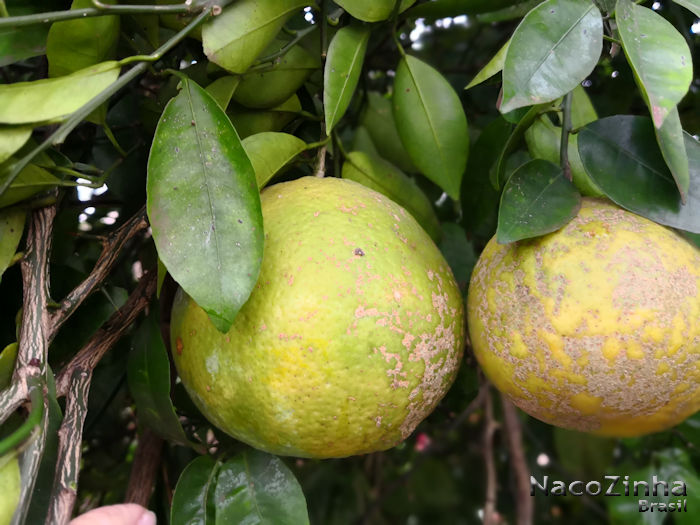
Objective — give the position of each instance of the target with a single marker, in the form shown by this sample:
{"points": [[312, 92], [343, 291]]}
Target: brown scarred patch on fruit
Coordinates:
{"points": [[179, 346]]}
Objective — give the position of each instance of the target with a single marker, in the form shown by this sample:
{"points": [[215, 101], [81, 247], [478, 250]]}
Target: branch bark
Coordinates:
{"points": [[490, 427], [524, 503], [144, 468]]}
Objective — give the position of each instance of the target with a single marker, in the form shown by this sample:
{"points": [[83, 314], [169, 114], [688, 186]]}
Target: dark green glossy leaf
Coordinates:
{"points": [[554, 48], [691, 5], [346, 54], [236, 37], [382, 176], [452, 8], [30, 180], [11, 229], [459, 253], [270, 151], [76, 44], [378, 119], [18, 43], [672, 144], [507, 13], [222, 89], [204, 205], [53, 98], [148, 374], [537, 199], [659, 57], [431, 123], [270, 88], [372, 10], [12, 138], [7, 364], [621, 155], [494, 66], [193, 496], [255, 487]]}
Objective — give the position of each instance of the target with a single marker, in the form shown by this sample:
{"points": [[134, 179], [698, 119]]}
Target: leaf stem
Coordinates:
{"points": [[565, 131]]}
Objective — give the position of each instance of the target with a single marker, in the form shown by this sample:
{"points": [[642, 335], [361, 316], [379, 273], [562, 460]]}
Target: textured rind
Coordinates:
{"points": [[353, 334], [595, 327]]}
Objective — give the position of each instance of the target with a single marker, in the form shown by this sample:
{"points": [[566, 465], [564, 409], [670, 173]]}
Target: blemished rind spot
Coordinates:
{"points": [[352, 335], [595, 327]]}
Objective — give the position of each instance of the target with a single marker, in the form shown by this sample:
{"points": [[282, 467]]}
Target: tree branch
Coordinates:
{"points": [[144, 468], [74, 383], [524, 503], [111, 249], [490, 427]]}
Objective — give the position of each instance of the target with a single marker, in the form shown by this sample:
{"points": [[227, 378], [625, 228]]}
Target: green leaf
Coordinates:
{"points": [[431, 123], [194, 492], [378, 119], [670, 139], [494, 66], [459, 254], [49, 99], [270, 88], [249, 122], [362, 141], [346, 54], [18, 43], [382, 176], [76, 44], [621, 155], [255, 487], [271, 151], [452, 8], [31, 180], [8, 357], [235, 38], [585, 456], [12, 138], [222, 89], [204, 205], [690, 5], [554, 48], [537, 199], [582, 110], [11, 229], [659, 56], [148, 374], [373, 10]]}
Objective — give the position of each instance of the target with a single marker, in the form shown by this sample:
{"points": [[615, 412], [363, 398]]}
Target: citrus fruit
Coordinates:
{"points": [[9, 488], [595, 327], [352, 335]]}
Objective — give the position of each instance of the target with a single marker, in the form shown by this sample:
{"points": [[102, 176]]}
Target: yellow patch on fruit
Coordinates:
{"points": [[352, 335], [595, 327]]}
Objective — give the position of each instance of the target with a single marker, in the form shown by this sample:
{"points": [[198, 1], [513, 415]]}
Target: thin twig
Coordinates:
{"points": [[490, 427], [524, 503], [320, 168], [111, 249], [74, 383], [565, 131], [144, 468]]}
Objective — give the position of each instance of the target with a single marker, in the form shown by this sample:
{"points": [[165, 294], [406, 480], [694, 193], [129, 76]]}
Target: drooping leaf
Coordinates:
{"points": [[452, 8], [554, 48], [690, 5], [659, 57], [459, 253], [235, 38], [148, 374], [346, 54], [494, 66], [30, 180], [193, 496], [249, 121], [11, 229], [382, 176], [670, 139], [621, 155], [378, 119], [7, 364], [431, 123], [362, 141], [222, 89], [270, 151], [76, 44], [254, 487], [537, 199], [267, 89], [373, 10], [12, 138], [203, 204], [53, 98]]}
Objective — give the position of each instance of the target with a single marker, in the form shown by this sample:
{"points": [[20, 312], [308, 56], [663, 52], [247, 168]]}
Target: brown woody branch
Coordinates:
{"points": [[490, 427], [524, 503], [112, 246], [144, 468], [74, 382]]}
